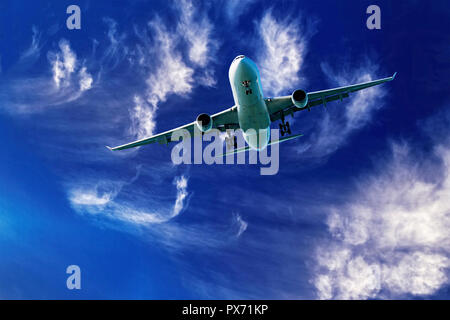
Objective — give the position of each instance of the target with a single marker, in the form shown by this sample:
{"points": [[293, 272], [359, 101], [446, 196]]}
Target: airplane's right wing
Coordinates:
{"points": [[223, 120]]}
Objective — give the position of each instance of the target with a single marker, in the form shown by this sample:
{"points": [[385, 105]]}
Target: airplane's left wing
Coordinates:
{"points": [[283, 106], [223, 120]]}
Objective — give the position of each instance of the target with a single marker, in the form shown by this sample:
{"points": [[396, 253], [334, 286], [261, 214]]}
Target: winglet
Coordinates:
{"points": [[109, 148], [393, 76]]}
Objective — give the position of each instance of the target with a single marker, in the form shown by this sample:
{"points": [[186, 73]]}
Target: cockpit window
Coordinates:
{"points": [[239, 57]]}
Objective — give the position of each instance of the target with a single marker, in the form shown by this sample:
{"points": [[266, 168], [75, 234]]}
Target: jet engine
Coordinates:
{"points": [[299, 98], [204, 122]]}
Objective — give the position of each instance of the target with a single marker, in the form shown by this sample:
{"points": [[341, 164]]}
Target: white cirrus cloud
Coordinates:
{"points": [[181, 184], [145, 217], [95, 196], [391, 239], [104, 198], [332, 129], [116, 50], [90, 197], [197, 30], [64, 64], [34, 50], [167, 74], [283, 48], [240, 224], [173, 75], [142, 118], [85, 79], [35, 93], [168, 69]]}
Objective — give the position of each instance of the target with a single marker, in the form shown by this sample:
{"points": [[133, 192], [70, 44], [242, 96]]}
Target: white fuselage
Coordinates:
{"points": [[254, 119]]}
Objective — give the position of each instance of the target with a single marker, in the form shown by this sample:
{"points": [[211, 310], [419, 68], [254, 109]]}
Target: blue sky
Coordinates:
{"points": [[360, 206]]}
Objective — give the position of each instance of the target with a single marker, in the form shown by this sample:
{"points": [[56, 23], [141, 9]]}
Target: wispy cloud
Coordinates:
{"points": [[111, 199], [85, 79], [240, 224], [116, 50], [33, 94], [142, 118], [167, 74], [89, 197], [197, 30], [172, 76], [63, 64], [144, 217], [283, 49], [34, 50], [235, 8], [175, 75], [181, 184], [332, 129], [391, 239], [92, 195]]}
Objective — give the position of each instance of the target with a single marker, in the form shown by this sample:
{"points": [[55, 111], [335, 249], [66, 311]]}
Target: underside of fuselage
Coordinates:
{"points": [[254, 119]]}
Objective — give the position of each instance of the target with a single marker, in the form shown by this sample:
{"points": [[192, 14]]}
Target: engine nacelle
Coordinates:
{"points": [[299, 98], [204, 122]]}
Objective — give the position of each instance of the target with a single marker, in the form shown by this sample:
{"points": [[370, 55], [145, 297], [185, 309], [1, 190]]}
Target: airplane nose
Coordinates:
{"points": [[244, 66]]}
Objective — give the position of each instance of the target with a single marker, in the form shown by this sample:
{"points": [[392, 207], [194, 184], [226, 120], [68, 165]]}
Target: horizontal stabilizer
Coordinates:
{"points": [[270, 143]]}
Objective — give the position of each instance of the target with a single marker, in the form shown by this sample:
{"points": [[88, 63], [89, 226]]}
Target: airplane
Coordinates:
{"points": [[252, 113]]}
